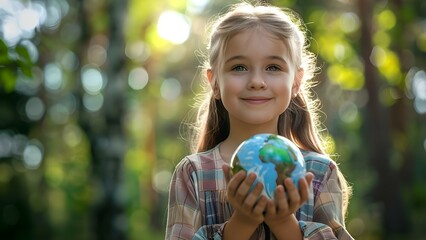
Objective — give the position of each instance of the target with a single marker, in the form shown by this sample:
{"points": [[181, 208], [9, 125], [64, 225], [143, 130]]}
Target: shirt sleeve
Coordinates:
{"points": [[328, 219], [183, 213]]}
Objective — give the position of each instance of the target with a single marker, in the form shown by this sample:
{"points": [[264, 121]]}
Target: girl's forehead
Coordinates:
{"points": [[257, 42]]}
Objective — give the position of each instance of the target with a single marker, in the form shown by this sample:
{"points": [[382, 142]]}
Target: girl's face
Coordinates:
{"points": [[258, 79]]}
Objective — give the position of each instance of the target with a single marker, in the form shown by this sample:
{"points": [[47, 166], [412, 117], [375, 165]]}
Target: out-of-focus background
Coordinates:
{"points": [[93, 94]]}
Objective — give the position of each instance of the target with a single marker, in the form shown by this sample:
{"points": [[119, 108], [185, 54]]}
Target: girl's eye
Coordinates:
{"points": [[273, 68], [239, 68]]}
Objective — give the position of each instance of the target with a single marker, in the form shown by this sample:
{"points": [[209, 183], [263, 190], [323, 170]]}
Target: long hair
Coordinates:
{"points": [[299, 122]]}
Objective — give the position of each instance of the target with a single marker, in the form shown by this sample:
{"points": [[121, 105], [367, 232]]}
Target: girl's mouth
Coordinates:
{"points": [[256, 100]]}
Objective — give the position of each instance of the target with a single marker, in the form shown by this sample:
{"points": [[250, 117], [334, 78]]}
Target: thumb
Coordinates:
{"points": [[309, 176]]}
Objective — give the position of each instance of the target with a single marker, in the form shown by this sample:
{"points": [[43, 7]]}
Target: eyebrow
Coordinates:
{"points": [[281, 59], [273, 57], [234, 58]]}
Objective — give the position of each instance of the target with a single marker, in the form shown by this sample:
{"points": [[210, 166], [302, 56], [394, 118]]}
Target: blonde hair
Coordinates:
{"points": [[300, 122]]}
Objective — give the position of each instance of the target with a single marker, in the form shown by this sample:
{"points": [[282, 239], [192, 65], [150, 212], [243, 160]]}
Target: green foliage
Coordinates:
{"points": [[349, 78], [12, 63]]}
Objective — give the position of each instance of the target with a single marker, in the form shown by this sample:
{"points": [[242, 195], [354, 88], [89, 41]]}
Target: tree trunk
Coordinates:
{"points": [[387, 191], [105, 129]]}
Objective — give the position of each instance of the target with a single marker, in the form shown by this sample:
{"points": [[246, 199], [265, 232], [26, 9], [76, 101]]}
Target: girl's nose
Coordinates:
{"points": [[256, 82]]}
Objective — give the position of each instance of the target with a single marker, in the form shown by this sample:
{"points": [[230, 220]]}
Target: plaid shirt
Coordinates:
{"points": [[198, 208]]}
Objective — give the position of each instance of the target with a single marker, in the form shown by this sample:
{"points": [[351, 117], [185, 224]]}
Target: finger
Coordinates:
{"points": [[303, 190], [235, 182], [292, 194], [281, 199], [244, 187], [253, 196], [309, 177], [270, 208], [259, 208]]}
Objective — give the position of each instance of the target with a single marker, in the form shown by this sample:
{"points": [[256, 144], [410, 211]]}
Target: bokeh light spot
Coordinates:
{"points": [[6, 144], [382, 38], [97, 54], [161, 180], [339, 51], [170, 89], [387, 63], [28, 19], [174, 27], [18, 144], [69, 60], [11, 31], [53, 77], [349, 22], [420, 105], [92, 80], [72, 135], [348, 112], [378, 56], [138, 78], [387, 19], [93, 102], [419, 85], [138, 51], [33, 155], [53, 17], [34, 108]]}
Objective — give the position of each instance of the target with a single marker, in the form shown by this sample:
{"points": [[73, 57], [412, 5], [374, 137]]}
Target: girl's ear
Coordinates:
{"points": [[297, 82], [213, 84], [210, 75]]}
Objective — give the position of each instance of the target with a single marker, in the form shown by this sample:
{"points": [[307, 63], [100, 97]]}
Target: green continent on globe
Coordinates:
{"points": [[280, 157]]}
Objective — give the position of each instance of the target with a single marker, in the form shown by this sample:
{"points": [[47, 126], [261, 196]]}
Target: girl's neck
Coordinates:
{"points": [[238, 134]]}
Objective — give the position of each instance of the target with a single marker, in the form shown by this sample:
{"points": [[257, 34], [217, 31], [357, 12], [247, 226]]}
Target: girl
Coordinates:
{"points": [[257, 68]]}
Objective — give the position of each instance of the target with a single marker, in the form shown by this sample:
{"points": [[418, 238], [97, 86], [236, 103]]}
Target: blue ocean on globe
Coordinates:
{"points": [[272, 158]]}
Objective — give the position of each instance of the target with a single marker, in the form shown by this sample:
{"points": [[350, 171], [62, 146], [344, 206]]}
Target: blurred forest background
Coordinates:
{"points": [[93, 94]]}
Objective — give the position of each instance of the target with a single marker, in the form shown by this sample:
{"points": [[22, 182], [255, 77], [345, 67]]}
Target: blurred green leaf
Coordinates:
{"points": [[24, 55], [7, 79], [4, 53], [4, 60], [3, 47], [26, 69]]}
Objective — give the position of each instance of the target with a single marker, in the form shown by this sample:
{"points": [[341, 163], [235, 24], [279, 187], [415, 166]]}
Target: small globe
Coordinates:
{"points": [[272, 158]]}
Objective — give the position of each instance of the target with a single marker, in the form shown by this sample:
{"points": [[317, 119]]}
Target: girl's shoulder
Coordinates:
{"points": [[203, 169], [207, 160], [317, 163]]}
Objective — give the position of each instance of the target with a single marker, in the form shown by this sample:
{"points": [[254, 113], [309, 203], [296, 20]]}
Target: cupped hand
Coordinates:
{"points": [[248, 205], [288, 199]]}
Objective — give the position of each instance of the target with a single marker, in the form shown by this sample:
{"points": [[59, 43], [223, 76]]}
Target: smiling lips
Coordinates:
{"points": [[256, 100]]}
